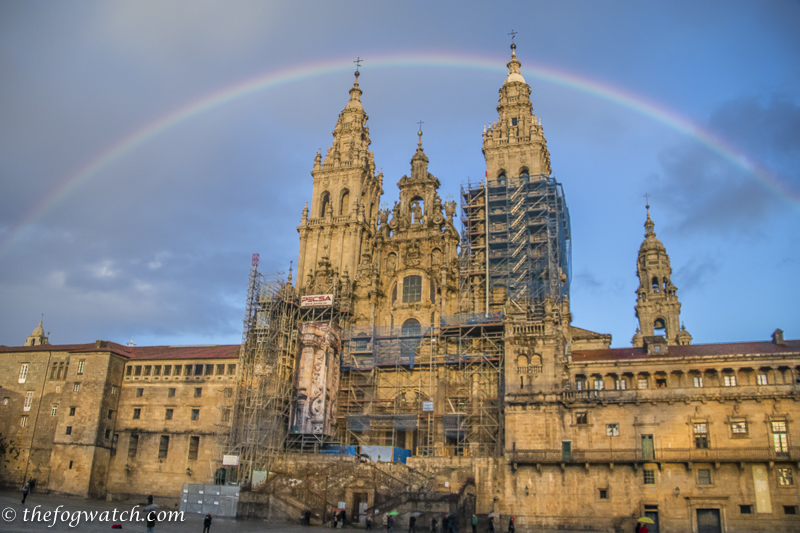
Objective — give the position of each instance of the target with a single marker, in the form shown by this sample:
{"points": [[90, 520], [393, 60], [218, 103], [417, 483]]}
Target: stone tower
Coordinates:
{"points": [[657, 305], [516, 141], [37, 337], [344, 202]]}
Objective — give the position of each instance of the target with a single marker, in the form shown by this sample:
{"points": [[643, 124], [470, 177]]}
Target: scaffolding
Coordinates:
{"points": [[517, 235], [264, 382]]}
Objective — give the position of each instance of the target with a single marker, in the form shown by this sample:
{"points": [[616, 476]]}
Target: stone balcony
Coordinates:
{"points": [[664, 394]]}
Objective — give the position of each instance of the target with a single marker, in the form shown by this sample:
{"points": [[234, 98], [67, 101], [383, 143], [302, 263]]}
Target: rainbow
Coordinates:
{"points": [[453, 61]]}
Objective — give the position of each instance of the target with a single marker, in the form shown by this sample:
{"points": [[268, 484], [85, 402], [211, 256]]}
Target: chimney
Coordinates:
{"points": [[777, 337], [101, 344]]}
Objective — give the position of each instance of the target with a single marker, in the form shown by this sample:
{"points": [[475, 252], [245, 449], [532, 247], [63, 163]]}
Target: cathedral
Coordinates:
{"points": [[427, 368]]}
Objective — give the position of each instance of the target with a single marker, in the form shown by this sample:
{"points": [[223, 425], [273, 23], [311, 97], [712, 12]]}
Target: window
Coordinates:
{"points": [[194, 446], [657, 348], [701, 435], [113, 390], [137, 413], [603, 494], [147, 370], [139, 392], [157, 370], [137, 370], [69, 430], [76, 387], [661, 383], [23, 421], [703, 476], [5, 400], [698, 381], [220, 370], [72, 411], [171, 392], [227, 392], [361, 343], [133, 446], [578, 384], [209, 370], [642, 383], [621, 384], [198, 391], [581, 418], [128, 371], [110, 414], [789, 509], [785, 477], [23, 373], [168, 414], [739, 428], [53, 371], [198, 370], [176, 370], [513, 121], [412, 289], [187, 370], [81, 364], [54, 410], [231, 369], [649, 477], [746, 509], [598, 384], [612, 430], [108, 434], [195, 414], [163, 447], [779, 438], [70, 465], [167, 370], [729, 380], [761, 379], [28, 401], [226, 415]]}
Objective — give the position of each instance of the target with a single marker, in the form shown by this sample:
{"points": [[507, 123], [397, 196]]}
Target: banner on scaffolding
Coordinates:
{"points": [[316, 378], [316, 300]]}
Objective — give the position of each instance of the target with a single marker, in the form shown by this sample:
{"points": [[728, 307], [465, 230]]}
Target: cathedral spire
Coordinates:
{"points": [[514, 74]]}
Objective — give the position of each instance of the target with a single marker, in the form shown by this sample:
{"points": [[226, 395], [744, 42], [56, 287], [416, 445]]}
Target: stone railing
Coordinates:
{"points": [[668, 455], [530, 369], [679, 394]]}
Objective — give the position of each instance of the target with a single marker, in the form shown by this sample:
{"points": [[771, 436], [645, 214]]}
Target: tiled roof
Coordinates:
{"points": [[695, 350], [230, 351]]}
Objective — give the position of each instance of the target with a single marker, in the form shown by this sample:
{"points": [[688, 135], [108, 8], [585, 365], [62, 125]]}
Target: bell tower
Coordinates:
{"points": [[657, 305], [344, 202]]}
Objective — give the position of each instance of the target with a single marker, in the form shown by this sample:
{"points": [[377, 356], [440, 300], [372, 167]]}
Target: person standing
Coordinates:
{"points": [[391, 524], [434, 523], [368, 522], [151, 515], [491, 524], [474, 523], [412, 524], [207, 523], [511, 528], [25, 490], [385, 523]]}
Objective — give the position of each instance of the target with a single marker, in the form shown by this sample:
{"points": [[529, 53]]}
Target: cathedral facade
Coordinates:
{"points": [[445, 360]]}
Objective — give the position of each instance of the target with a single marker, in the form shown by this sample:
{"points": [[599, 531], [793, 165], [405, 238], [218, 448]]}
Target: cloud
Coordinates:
{"points": [[696, 273], [709, 193]]}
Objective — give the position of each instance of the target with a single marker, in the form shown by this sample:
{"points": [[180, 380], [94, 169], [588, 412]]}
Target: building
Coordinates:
{"points": [[449, 360]]}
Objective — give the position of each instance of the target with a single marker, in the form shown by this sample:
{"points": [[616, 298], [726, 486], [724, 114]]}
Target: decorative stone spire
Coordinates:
{"points": [[355, 95], [514, 74], [38, 336]]}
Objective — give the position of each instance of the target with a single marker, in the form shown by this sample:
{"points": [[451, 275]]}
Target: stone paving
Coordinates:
{"points": [[13, 517]]}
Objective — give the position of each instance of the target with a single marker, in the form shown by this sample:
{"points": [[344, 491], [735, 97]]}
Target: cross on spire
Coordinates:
{"points": [[513, 34], [420, 125], [358, 62], [647, 200], [419, 143]]}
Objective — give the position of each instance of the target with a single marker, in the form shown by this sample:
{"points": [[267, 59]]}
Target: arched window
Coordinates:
{"points": [[659, 327], [412, 289], [501, 177], [411, 327], [344, 205], [522, 361], [655, 283], [325, 199], [524, 172], [409, 341]]}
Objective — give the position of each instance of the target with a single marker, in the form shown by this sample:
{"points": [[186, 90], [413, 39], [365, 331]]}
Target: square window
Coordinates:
{"points": [[198, 370], [139, 392], [513, 121], [761, 379], [581, 418], [195, 414], [137, 413], [661, 383], [621, 384], [785, 477], [739, 428], [598, 384], [612, 430], [171, 392], [603, 494], [168, 414], [642, 383], [72, 411], [69, 430], [649, 477], [729, 380], [137, 370], [698, 381], [167, 370], [746, 509], [76, 387], [231, 369], [704, 476], [657, 348], [789, 509], [198, 391]]}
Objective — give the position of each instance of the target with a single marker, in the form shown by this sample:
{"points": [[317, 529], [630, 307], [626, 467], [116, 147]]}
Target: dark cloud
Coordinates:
{"points": [[696, 273], [710, 193]]}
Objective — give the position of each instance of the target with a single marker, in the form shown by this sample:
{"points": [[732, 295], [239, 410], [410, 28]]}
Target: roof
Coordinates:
{"points": [[227, 351], [695, 350]]}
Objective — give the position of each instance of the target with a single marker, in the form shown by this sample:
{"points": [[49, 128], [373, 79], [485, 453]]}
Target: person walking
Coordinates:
{"points": [[368, 522], [511, 528], [25, 491], [491, 524], [391, 524], [412, 524], [474, 523], [385, 523], [207, 523], [434, 523], [151, 515]]}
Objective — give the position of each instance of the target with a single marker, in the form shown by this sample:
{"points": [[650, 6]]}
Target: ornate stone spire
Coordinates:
{"points": [[514, 74]]}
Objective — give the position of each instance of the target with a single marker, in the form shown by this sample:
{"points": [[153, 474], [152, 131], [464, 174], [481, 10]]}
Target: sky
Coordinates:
{"points": [[148, 148]]}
